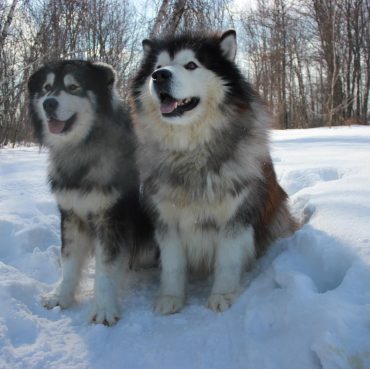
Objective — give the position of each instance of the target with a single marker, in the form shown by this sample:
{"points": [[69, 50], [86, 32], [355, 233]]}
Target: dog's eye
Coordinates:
{"points": [[191, 66], [72, 87], [47, 87], [158, 66]]}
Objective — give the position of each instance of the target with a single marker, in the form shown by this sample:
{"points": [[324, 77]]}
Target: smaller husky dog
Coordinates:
{"points": [[77, 114], [205, 164]]}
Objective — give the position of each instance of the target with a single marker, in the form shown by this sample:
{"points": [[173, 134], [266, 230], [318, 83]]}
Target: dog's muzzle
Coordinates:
{"points": [[50, 105], [169, 105], [161, 75], [55, 125], [162, 80]]}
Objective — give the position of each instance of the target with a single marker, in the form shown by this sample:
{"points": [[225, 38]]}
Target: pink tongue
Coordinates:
{"points": [[56, 126], [168, 106]]}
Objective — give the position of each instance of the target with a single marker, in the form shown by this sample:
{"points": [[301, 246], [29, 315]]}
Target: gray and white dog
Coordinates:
{"points": [[205, 164], [77, 114]]}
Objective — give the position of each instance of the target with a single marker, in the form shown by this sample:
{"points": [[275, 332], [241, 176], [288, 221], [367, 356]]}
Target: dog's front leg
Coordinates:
{"points": [[234, 250], [76, 245], [173, 261], [108, 267]]}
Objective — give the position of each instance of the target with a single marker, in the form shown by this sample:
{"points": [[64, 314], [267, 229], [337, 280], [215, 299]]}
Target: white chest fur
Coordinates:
{"points": [[84, 203], [190, 215], [190, 223]]}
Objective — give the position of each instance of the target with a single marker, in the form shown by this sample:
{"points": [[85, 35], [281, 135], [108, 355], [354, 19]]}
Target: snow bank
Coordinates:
{"points": [[306, 303]]}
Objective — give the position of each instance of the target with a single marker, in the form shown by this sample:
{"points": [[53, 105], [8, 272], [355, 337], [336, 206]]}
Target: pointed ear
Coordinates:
{"points": [[36, 79], [228, 44], [107, 72], [147, 46]]}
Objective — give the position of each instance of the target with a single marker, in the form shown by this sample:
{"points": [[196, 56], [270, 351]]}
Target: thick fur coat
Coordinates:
{"points": [[77, 114], [205, 165]]}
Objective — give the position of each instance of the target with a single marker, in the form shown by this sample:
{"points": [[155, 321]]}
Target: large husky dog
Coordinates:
{"points": [[77, 114], [205, 164]]}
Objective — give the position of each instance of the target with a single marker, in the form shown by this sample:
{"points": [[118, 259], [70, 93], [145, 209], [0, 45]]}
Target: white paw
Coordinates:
{"points": [[55, 298], [107, 313], [166, 304], [220, 301]]}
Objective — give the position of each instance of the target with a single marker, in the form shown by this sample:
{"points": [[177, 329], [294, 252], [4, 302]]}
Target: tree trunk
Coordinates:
{"points": [[159, 20], [8, 22]]}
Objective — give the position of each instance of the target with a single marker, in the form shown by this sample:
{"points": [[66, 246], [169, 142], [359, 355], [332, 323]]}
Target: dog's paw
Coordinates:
{"points": [[166, 304], [220, 301], [54, 298], [107, 314]]}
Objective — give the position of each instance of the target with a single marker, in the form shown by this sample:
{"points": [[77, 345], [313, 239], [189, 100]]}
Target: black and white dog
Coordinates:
{"points": [[77, 114], [205, 164]]}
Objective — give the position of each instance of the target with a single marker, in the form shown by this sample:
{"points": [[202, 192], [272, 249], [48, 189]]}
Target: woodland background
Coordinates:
{"points": [[309, 59]]}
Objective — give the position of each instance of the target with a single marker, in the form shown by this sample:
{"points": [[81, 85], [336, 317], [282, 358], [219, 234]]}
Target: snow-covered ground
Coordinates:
{"points": [[306, 304]]}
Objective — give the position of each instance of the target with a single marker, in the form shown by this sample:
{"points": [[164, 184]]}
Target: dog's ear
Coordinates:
{"points": [[34, 80], [228, 44], [107, 71], [147, 46]]}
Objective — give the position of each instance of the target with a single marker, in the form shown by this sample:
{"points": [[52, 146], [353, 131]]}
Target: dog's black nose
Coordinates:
{"points": [[161, 75], [50, 105]]}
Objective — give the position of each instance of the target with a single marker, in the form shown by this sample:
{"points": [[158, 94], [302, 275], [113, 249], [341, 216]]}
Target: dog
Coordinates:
{"points": [[204, 164], [77, 114]]}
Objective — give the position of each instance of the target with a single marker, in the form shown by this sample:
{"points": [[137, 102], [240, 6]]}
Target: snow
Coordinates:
{"points": [[305, 304]]}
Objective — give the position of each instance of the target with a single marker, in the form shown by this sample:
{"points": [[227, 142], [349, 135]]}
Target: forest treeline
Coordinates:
{"points": [[309, 60]]}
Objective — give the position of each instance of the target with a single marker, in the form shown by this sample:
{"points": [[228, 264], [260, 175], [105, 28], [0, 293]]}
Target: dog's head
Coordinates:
{"points": [[66, 96], [183, 78]]}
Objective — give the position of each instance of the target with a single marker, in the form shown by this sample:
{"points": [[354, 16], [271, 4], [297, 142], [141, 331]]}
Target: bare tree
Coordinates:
{"points": [[309, 60], [185, 15], [5, 28], [159, 20]]}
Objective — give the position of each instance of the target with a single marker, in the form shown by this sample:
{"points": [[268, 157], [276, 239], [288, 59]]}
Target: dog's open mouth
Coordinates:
{"points": [[171, 107], [60, 126]]}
